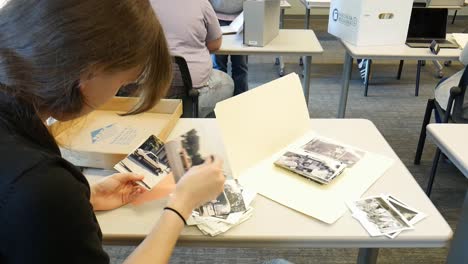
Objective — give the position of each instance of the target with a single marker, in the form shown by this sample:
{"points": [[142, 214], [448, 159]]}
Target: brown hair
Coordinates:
{"points": [[46, 45]]}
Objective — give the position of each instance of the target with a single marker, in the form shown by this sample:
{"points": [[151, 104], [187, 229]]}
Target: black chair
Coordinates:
{"points": [[181, 88], [459, 114]]}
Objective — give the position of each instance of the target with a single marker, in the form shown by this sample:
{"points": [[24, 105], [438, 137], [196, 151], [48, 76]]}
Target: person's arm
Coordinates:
{"points": [[214, 45], [214, 34], [199, 185]]}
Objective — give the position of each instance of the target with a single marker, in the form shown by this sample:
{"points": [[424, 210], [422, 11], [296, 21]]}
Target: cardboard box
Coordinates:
{"points": [[261, 18], [370, 22], [103, 138]]}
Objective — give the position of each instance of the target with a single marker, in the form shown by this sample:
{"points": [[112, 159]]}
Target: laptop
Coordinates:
{"points": [[426, 25], [439, 3]]}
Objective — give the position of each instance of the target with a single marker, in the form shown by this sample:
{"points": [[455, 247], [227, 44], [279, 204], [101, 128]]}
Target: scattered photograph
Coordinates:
{"points": [[346, 155], [219, 207], [407, 213], [381, 215], [310, 166], [229, 202], [149, 160], [235, 197]]}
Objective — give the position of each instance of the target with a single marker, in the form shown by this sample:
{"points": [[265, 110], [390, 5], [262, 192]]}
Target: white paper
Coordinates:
{"points": [[461, 39], [262, 121], [326, 203], [236, 26]]}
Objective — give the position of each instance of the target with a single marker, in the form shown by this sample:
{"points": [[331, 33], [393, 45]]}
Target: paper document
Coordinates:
{"points": [[236, 26], [461, 39]]}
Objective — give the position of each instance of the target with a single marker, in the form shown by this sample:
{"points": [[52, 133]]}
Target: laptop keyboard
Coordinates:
{"points": [[425, 41]]}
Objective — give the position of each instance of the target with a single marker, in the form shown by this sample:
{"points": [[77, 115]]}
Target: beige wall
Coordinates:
{"points": [[298, 9]]}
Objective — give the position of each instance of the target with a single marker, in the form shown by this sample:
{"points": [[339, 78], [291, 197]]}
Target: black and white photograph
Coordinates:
{"points": [[383, 216], [346, 155], [313, 168], [219, 207], [407, 213], [235, 197], [183, 153], [149, 160], [411, 215]]}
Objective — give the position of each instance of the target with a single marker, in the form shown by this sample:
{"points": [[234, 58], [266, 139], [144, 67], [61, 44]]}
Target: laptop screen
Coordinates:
{"points": [[428, 23]]}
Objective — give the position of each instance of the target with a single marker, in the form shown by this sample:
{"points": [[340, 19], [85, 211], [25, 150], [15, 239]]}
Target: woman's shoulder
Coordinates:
{"points": [[48, 206], [27, 169], [48, 181]]}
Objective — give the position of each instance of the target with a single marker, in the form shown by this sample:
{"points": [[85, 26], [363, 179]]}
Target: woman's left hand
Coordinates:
{"points": [[115, 191]]}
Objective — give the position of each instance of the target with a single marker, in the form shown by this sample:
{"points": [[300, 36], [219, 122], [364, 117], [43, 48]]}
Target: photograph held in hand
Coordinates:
{"points": [[149, 160]]}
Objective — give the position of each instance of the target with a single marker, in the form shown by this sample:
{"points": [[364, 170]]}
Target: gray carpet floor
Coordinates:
{"points": [[397, 113]]}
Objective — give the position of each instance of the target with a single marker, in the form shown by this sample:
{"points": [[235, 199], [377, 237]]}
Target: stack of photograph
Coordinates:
{"points": [[231, 208], [319, 160], [385, 215]]}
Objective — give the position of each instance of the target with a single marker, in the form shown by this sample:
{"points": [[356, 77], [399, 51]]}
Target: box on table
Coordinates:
{"points": [[370, 22], [261, 21], [103, 138]]}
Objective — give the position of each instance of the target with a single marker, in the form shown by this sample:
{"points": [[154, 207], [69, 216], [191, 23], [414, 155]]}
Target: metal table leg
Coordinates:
{"points": [[458, 252], [306, 26], [435, 163], [418, 77], [280, 60], [368, 256], [400, 69], [366, 82], [347, 69], [306, 85]]}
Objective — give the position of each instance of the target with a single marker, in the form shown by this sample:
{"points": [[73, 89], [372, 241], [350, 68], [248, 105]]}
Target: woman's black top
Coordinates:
{"points": [[45, 213]]}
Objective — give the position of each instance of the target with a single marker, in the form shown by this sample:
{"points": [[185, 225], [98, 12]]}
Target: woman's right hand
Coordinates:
{"points": [[199, 185]]}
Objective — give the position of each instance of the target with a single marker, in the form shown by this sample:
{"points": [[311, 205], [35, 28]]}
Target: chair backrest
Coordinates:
{"points": [[460, 101], [181, 87]]}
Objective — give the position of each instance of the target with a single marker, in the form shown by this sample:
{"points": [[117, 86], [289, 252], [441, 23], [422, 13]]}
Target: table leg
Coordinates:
{"points": [[347, 69], [418, 77], [400, 69], [458, 250], [306, 85], [435, 163], [280, 58], [307, 18], [366, 82], [368, 256]]}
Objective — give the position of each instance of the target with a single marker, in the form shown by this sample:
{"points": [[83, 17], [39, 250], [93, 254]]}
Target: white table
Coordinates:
{"points": [[273, 225], [288, 42], [451, 139], [397, 52]]}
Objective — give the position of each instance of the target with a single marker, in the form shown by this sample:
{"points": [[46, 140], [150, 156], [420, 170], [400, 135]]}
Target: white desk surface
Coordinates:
{"points": [[273, 225], [452, 139], [300, 42], [316, 3], [400, 52]]}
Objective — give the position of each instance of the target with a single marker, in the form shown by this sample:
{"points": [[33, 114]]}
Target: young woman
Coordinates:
{"points": [[63, 59]]}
